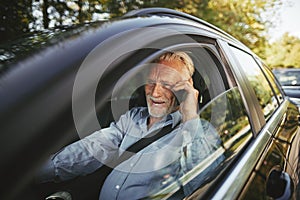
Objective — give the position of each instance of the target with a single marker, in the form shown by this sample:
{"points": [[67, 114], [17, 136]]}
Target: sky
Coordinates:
{"points": [[288, 21]]}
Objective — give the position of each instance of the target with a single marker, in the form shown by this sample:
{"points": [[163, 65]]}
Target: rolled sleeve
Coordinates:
{"points": [[189, 130], [200, 140]]}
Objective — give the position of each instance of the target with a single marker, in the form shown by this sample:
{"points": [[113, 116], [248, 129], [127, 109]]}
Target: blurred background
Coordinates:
{"points": [[271, 28]]}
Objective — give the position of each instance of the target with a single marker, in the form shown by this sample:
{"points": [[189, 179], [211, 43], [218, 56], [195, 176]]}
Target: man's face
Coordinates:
{"points": [[158, 90]]}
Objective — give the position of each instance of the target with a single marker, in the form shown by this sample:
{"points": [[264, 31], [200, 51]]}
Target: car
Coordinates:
{"points": [[289, 78], [87, 77]]}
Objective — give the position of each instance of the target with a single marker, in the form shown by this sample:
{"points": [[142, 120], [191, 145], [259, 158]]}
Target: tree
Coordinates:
{"points": [[284, 52], [244, 20], [15, 16], [241, 18]]}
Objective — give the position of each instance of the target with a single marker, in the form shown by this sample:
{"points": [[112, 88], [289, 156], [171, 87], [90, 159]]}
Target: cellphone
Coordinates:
{"points": [[180, 96]]}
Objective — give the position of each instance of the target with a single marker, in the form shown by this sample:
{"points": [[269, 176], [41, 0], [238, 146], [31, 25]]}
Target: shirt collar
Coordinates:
{"points": [[175, 117]]}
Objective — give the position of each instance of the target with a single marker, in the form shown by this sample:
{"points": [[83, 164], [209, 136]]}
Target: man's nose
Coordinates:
{"points": [[157, 89]]}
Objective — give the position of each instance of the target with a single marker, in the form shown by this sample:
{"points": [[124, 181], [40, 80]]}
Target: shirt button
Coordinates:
{"points": [[131, 164], [117, 187]]}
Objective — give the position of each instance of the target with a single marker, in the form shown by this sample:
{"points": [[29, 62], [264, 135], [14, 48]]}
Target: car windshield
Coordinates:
{"points": [[288, 77]]}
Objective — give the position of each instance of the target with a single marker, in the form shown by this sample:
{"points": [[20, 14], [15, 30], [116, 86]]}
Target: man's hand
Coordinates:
{"points": [[189, 106]]}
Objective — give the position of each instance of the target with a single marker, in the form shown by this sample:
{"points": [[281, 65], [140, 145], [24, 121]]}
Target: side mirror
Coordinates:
{"points": [[60, 196], [279, 184]]}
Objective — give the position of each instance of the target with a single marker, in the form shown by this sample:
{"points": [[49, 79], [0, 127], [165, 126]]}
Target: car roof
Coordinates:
{"points": [[176, 14]]}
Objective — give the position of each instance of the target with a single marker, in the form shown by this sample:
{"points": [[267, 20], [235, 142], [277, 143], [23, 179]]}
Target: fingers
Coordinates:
{"points": [[187, 86], [189, 106]]}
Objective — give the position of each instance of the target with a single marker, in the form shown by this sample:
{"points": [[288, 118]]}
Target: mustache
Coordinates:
{"points": [[157, 99]]}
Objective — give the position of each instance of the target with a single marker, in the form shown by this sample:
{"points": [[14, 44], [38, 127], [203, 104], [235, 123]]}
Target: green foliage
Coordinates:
{"points": [[284, 52], [244, 20], [15, 17], [241, 18]]}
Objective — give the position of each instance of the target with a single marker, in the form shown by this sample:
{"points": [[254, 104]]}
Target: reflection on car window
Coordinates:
{"points": [[258, 81], [227, 115]]}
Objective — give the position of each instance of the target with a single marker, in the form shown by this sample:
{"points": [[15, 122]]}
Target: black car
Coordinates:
{"points": [[88, 77], [289, 78]]}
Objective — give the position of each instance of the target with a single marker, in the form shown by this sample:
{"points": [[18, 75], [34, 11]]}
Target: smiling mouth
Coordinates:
{"points": [[157, 102]]}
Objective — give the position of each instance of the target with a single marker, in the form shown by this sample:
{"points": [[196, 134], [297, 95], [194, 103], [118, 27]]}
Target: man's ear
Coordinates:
{"points": [[191, 81]]}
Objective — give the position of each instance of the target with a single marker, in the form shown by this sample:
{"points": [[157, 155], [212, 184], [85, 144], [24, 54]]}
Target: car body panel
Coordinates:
{"points": [[274, 156]]}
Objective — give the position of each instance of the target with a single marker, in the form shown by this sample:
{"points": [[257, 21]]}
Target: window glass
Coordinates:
{"points": [[258, 81], [226, 131]]}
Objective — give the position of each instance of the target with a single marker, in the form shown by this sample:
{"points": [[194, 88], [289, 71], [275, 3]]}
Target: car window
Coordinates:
{"points": [[225, 132], [228, 116], [258, 81]]}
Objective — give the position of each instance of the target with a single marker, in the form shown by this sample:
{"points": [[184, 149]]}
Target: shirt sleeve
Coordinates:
{"points": [[86, 155]]}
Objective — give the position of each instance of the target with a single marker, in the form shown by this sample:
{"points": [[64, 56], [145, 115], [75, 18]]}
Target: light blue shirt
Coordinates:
{"points": [[148, 171]]}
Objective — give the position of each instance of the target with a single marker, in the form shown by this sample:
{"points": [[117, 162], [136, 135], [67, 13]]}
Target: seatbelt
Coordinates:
{"points": [[142, 143]]}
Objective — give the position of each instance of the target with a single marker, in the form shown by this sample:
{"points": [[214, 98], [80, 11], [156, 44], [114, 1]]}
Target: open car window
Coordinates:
{"points": [[225, 126]]}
